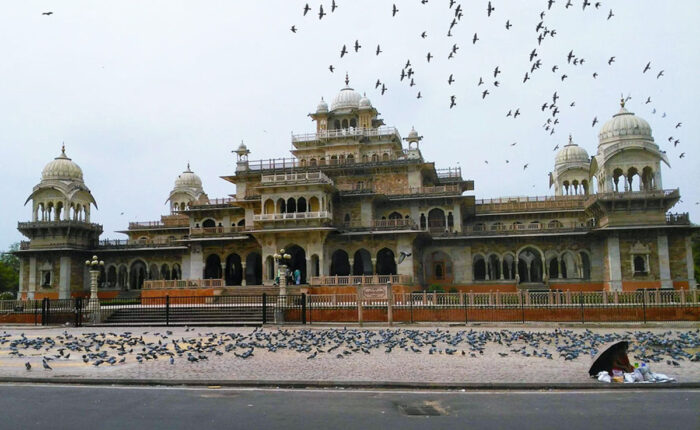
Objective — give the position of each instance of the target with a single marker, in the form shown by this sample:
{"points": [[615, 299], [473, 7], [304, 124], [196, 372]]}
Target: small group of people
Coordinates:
{"points": [[291, 277]]}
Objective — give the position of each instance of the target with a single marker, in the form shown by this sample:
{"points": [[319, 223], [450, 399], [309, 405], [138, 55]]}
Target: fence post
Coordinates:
{"points": [[303, 308], [78, 311], [522, 305], [464, 302], [36, 312], [44, 311], [264, 308], [410, 304], [167, 310], [580, 299], [644, 305]]}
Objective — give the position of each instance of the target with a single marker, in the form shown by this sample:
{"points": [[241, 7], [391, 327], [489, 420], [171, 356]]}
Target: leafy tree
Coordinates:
{"points": [[9, 270]]}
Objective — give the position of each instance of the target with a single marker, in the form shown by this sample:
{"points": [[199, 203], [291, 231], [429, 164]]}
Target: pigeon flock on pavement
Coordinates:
{"points": [[113, 349]]}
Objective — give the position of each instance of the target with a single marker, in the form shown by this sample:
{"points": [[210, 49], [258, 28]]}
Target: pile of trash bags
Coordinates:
{"points": [[612, 365]]}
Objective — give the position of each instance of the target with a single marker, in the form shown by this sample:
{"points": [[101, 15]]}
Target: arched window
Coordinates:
{"points": [[479, 268], [395, 215], [291, 205], [208, 223], [585, 265], [340, 263], [345, 123], [508, 267], [336, 124], [301, 204], [303, 162], [423, 222], [322, 161], [436, 220], [375, 158], [555, 224], [362, 263], [530, 265], [165, 272], [312, 162], [386, 262], [334, 159], [350, 159], [313, 204], [640, 267], [353, 122], [494, 267], [212, 268], [385, 157]]}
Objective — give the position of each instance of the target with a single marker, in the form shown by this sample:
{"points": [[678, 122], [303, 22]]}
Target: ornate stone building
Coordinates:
{"points": [[356, 204]]}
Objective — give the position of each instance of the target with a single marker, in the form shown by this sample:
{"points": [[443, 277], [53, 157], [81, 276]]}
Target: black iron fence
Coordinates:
{"points": [[401, 308]]}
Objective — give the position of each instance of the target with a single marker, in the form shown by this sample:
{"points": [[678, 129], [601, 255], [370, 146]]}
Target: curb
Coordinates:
{"points": [[352, 385]]}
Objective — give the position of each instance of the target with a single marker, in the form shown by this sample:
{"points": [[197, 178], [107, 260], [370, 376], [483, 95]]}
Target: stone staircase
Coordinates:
{"points": [[189, 315]]}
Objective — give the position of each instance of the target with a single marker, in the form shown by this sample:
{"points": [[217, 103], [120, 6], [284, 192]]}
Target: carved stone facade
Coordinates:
{"points": [[354, 204]]}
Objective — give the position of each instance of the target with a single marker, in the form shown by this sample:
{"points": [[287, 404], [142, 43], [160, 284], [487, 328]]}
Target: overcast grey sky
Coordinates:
{"points": [[137, 89]]}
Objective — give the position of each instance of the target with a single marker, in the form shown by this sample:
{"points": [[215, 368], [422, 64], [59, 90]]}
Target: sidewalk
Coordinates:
{"points": [[286, 358]]}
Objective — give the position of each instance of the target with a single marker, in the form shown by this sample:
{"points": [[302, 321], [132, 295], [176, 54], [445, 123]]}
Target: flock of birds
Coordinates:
{"points": [[489, 82], [110, 349]]}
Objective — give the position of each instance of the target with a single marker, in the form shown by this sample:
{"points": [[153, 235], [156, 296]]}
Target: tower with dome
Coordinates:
{"points": [[357, 203]]}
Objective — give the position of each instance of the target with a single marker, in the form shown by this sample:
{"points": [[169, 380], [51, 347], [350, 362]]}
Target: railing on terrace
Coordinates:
{"points": [[384, 224], [346, 132], [449, 173], [292, 216], [223, 201], [182, 283], [293, 163], [138, 225], [627, 195], [681, 219], [296, 177], [125, 243], [525, 228], [61, 223], [364, 280], [527, 203], [401, 192], [216, 231]]}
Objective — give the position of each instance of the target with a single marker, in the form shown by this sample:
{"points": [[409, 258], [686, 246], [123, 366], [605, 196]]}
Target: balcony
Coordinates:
{"points": [[293, 216], [216, 231], [354, 133], [153, 225], [525, 204], [533, 227], [401, 224], [678, 219], [295, 178], [141, 243], [214, 203]]}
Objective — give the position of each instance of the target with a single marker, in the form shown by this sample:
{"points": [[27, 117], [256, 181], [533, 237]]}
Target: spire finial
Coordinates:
{"points": [[347, 79], [622, 101], [571, 139], [188, 166], [63, 148]]}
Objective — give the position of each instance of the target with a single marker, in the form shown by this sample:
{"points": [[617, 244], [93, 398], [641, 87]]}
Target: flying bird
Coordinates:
{"points": [[47, 13], [333, 6], [343, 51], [450, 80], [508, 25], [661, 73], [484, 94], [403, 255], [294, 29], [610, 14], [647, 67], [679, 125], [453, 101], [379, 50], [419, 96], [357, 45], [321, 13], [474, 39], [611, 60], [595, 121], [331, 68], [394, 10], [490, 9], [429, 56], [306, 9], [424, 34]]}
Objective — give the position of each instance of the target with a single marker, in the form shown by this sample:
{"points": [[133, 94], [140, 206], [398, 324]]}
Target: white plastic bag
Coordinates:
{"points": [[604, 376]]}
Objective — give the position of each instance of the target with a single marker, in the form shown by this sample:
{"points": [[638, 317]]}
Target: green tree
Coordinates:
{"points": [[9, 270]]}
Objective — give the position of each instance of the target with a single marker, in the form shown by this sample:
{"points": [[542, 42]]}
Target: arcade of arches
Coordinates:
{"points": [[530, 265]]}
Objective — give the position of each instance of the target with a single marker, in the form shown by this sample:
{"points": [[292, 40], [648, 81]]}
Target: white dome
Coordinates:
{"points": [[625, 123], [347, 98], [188, 179], [571, 154], [62, 168], [364, 102], [322, 106], [413, 133]]}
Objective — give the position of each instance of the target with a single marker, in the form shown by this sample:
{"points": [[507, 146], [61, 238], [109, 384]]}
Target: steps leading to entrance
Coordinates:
{"points": [[187, 315]]}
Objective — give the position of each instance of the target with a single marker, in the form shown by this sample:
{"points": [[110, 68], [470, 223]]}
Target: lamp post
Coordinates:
{"points": [[282, 259], [94, 266]]}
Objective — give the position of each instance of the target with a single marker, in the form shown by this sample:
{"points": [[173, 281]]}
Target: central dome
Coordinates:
{"points": [[188, 179], [62, 168], [347, 98], [625, 123]]}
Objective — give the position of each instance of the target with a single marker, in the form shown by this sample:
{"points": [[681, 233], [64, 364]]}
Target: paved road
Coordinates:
{"points": [[79, 407]]}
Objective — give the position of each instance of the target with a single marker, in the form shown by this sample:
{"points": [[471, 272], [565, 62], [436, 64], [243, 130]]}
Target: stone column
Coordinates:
{"points": [[196, 262], [614, 275], [457, 216], [21, 278], [690, 264], [243, 284], [64, 278], [374, 265], [664, 262], [309, 270], [31, 288]]}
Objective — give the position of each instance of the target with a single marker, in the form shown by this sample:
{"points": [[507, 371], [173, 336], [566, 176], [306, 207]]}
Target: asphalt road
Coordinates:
{"points": [[85, 407]]}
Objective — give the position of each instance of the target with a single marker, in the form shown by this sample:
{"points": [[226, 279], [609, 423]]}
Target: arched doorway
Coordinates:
{"points": [[176, 272], [165, 272], [386, 262], [234, 270], [137, 275], [340, 263], [111, 277], [253, 269], [209, 223], [212, 268], [154, 272], [298, 260], [530, 265], [315, 266], [479, 268], [436, 220], [362, 263], [439, 268]]}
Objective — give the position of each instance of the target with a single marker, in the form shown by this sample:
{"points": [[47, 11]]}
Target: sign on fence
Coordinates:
{"points": [[375, 292]]}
